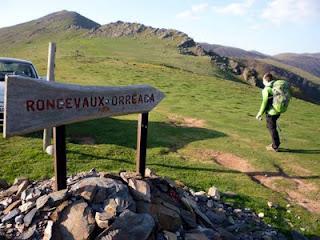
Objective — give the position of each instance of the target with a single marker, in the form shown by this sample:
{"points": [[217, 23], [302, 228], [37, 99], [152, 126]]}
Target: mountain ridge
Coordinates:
{"points": [[65, 22], [309, 62], [228, 51]]}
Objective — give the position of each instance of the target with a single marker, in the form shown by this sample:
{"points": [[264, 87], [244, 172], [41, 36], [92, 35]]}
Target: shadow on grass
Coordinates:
{"points": [[124, 133], [302, 151], [96, 157], [279, 173]]}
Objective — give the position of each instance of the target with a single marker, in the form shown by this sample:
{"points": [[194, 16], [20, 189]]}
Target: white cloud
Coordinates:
{"points": [[236, 8], [195, 12], [281, 11]]}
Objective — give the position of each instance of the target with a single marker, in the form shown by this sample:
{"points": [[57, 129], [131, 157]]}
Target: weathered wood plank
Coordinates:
{"points": [[32, 105]]}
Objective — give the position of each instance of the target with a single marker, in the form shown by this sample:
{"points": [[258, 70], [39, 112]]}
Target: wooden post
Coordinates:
{"points": [[47, 133], [60, 158], [142, 143]]}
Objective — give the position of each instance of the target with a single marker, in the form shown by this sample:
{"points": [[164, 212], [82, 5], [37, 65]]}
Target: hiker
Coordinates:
{"points": [[275, 100]]}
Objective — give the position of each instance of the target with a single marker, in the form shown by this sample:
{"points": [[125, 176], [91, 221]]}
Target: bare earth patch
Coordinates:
{"points": [[298, 191], [186, 121]]}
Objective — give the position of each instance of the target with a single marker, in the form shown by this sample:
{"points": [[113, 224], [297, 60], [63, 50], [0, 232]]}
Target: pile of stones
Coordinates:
{"points": [[106, 206]]}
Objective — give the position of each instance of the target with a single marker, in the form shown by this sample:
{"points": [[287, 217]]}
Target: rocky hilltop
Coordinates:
{"points": [[126, 29], [121, 206]]}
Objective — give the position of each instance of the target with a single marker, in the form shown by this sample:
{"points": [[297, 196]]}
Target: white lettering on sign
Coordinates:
{"points": [[33, 105]]}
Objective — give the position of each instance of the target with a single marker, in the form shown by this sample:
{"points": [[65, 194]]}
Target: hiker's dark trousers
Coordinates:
{"points": [[272, 126]]}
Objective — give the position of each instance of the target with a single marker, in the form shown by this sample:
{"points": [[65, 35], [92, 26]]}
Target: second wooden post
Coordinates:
{"points": [[142, 143], [60, 157]]}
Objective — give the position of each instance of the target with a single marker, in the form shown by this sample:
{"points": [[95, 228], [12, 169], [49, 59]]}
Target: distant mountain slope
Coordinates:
{"points": [[226, 51], [302, 88], [292, 69], [316, 55], [307, 62], [58, 22]]}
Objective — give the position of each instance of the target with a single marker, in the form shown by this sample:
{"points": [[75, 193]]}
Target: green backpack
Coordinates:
{"points": [[281, 95]]}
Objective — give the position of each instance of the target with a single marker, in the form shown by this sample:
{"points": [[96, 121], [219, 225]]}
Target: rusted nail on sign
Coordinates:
{"points": [[32, 105]]}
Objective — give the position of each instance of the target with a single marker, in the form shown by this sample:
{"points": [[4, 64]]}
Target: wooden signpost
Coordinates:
{"points": [[47, 133], [32, 105]]}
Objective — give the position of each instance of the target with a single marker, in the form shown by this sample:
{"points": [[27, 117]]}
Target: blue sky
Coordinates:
{"points": [[269, 26]]}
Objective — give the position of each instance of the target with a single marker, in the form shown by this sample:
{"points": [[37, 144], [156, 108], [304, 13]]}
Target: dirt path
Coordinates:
{"points": [[297, 190], [181, 121]]}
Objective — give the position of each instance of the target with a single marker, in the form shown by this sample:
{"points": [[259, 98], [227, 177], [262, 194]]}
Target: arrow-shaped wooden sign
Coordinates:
{"points": [[32, 105]]}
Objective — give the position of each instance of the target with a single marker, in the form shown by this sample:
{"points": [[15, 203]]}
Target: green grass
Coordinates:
{"points": [[193, 89]]}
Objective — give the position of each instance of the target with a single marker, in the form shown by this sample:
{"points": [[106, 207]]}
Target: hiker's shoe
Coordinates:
{"points": [[270, 148]]}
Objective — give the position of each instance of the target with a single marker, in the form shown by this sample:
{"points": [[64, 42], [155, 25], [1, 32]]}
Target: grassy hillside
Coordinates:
{"points": [[293, 69], [202, 116], [307, 62]]}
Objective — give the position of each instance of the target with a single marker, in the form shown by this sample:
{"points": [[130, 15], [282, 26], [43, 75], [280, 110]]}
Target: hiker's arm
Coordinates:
{"points": [[264, 102]]}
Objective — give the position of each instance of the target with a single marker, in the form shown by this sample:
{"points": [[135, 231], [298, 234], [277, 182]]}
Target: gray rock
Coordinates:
{"points": [[125, 176], [209, 233], [297, 236], [167, 219], [225, 234], [41, 201], [200, 193], [29, 217], [56, 213], [210, 203], [22, 186], [129, 225], [19, 219], [103, 219], [187, 43], [8, 192], [97, 190], [188, 218], [30, 194], [26, 206], [55, 198], [149, 173], [216, 217], [170, 235], [214, 193], [29, 233], [12, 214], [195, 236], [6, 202], [75, 222], [48, 231], [12, 206], [190, 204], [140, 189]]}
